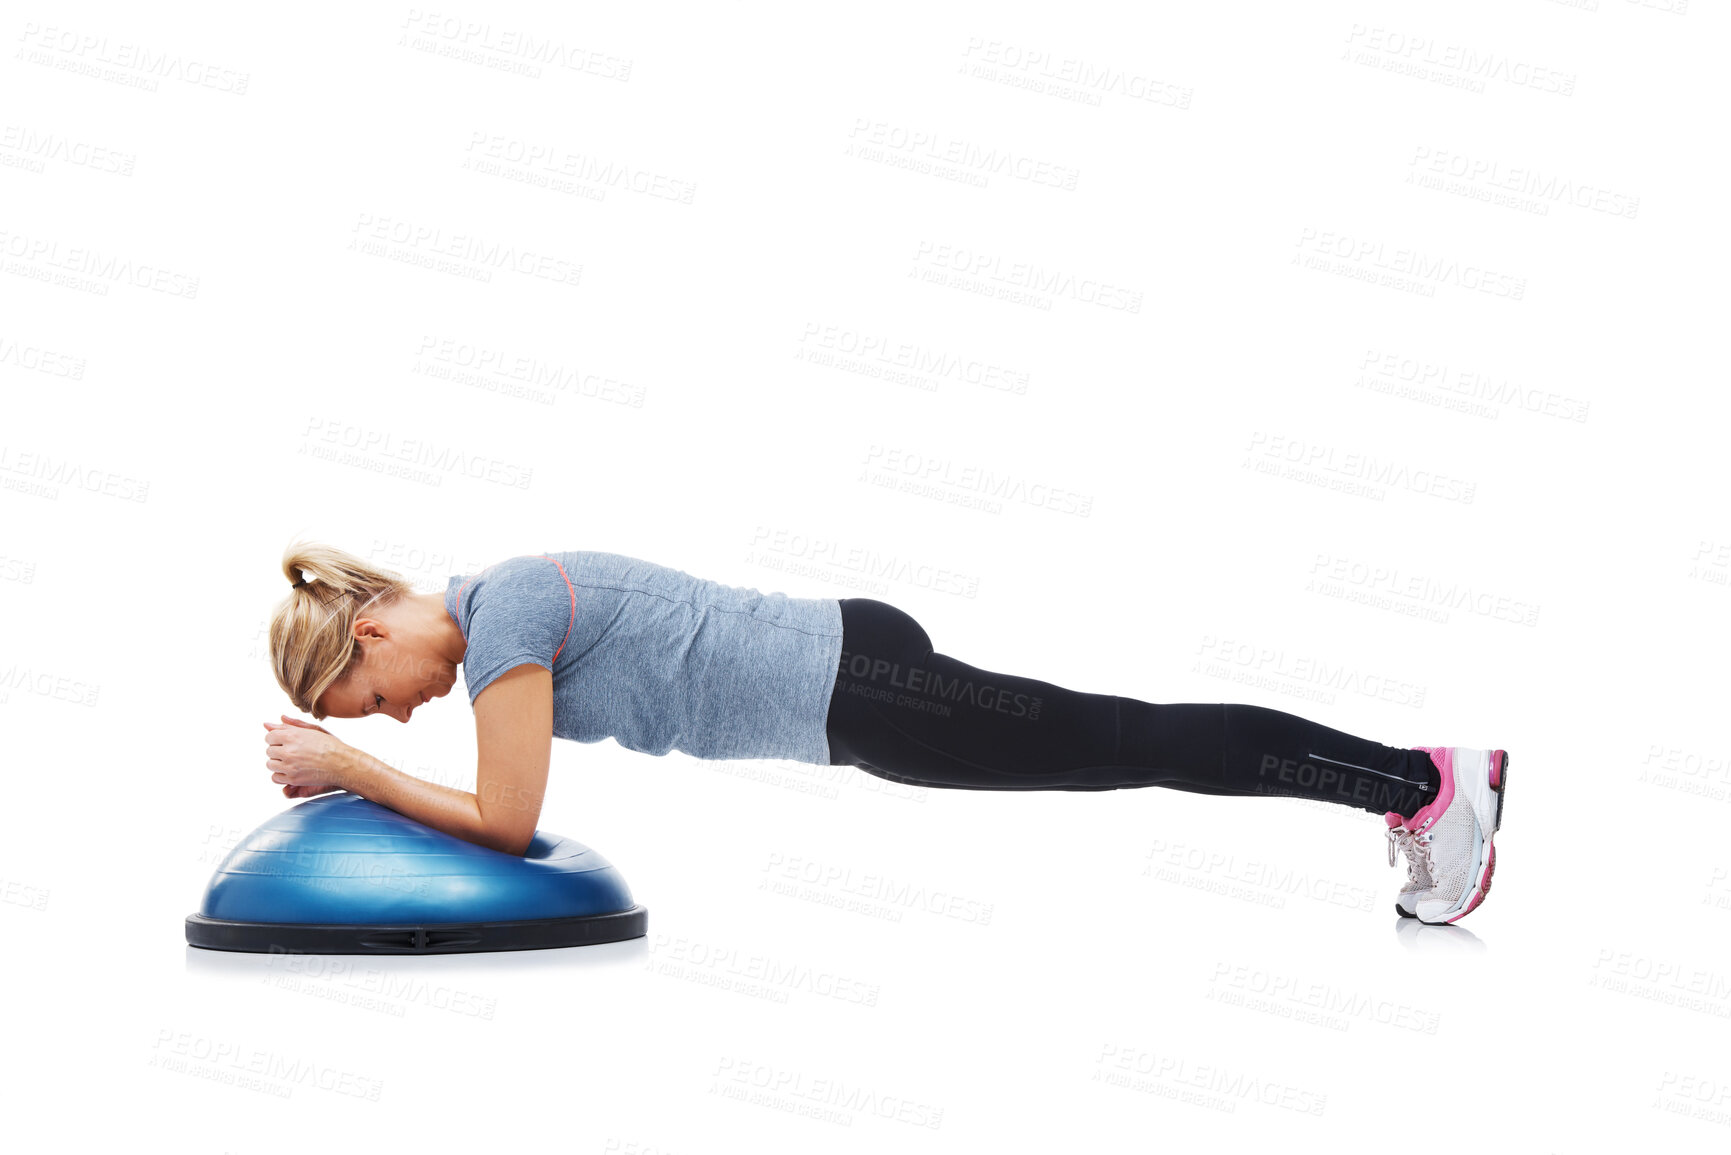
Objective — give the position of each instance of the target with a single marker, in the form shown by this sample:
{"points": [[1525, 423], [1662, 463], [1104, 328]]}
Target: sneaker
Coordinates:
{"points": [[1417, 864], [1450, 856]]}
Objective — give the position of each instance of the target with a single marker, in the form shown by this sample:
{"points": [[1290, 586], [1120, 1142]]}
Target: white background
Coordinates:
{"points": [[1361, 360]]}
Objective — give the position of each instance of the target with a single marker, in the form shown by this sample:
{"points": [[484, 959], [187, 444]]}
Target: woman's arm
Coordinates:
{"points": [[514, 740]]}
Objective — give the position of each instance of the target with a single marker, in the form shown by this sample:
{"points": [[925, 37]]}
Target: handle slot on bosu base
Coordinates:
{"points": [[422, 938]]}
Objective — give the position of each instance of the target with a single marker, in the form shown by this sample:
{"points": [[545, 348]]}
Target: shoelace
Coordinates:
{"points": [[1417, 848]]}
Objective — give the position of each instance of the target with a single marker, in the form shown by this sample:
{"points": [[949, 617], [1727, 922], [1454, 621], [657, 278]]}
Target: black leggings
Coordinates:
{"points": [[903, 712]]}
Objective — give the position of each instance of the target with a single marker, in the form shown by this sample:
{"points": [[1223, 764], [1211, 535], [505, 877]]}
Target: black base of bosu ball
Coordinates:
{"points": [[338, 874]]}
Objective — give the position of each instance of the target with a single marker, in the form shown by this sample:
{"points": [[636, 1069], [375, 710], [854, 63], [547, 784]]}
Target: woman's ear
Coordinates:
{"points": [[369, 628]]}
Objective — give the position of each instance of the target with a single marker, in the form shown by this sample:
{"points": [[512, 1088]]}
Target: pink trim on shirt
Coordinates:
{"points": [[573, 592]]}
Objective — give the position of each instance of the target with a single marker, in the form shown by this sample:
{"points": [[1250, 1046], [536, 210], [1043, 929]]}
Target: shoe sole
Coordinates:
{"points": [[1498, 777], [1496, 780]]}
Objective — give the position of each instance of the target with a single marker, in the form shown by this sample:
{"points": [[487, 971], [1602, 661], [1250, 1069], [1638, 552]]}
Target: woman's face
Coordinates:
{"points": [[394, 675]]}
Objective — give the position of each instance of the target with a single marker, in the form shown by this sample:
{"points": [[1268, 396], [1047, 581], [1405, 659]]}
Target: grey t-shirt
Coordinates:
{"points": [[653, 657]]}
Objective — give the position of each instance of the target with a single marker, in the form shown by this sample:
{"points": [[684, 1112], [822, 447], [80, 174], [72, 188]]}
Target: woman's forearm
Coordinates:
{"points": [[456, 812]]}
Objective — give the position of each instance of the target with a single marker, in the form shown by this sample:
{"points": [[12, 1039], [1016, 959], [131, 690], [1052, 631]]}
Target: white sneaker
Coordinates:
{"points": [[1417, 864], [1450, 855]]}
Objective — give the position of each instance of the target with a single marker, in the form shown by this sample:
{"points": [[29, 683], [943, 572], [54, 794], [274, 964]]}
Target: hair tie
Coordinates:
{"points": [[298, 585]]}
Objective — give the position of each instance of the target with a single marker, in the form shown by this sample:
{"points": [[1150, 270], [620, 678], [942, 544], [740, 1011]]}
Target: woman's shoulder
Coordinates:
{"points": [[571, 569], [524, 573]]}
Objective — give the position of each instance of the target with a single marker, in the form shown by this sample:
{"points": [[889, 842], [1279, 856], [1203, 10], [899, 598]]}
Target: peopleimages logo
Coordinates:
{"points": [[1356, 785], [918, 686]]}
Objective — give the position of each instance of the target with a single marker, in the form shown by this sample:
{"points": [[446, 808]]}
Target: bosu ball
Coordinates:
{"points": [[338, 874]]}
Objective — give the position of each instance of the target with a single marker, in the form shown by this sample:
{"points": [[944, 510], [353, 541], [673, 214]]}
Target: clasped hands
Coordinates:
{"points": [[306, 759]]}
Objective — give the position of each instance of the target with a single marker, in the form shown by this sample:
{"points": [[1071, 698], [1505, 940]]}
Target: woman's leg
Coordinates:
{"points": [[906, 713]]}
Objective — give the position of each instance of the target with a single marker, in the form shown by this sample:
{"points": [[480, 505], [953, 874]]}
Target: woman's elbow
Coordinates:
{"points": [[513, 842], [508, 817]]}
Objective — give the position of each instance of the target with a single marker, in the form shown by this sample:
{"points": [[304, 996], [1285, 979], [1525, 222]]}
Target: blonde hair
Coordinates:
{"points": [[312, 637]]}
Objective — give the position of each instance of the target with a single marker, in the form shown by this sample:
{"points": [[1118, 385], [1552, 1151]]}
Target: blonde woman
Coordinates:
{"points": [[586, 645]]}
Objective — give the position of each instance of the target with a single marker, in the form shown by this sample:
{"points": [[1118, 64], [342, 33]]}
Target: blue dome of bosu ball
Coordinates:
{"points": [[338, 874]]}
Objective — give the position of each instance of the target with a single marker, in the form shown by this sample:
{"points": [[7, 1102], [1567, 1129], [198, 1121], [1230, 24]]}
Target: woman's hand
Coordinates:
{"points": [[306, 759]]}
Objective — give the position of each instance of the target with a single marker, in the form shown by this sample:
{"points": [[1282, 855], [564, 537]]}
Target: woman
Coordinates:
{"points": [[590, 645]]}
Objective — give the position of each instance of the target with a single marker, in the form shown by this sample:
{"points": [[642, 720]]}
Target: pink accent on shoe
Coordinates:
{"points": [[1444, 759], [1484, 885], [1496, 769], [1394, 820]]}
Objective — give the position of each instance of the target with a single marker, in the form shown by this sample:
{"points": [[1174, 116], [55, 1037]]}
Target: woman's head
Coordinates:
{"points": [[352, 639]]}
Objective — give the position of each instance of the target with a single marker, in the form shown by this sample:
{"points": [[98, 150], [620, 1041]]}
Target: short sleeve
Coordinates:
{"points": [[517, 612]]}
